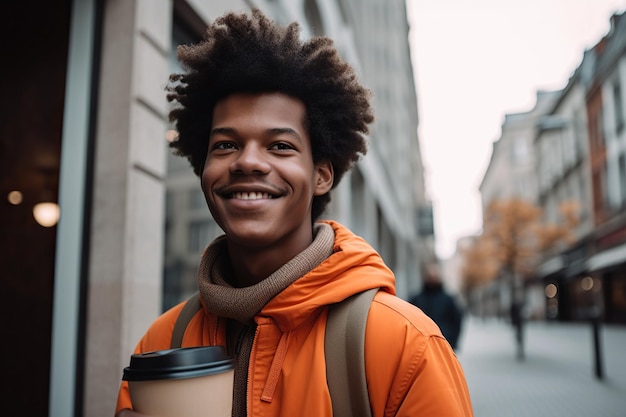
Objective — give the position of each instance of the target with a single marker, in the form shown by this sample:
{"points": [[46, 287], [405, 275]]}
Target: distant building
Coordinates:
{"points": [[385, 200], [607, 134], [584, 159], [562, 149], [511, 169], [511, 174], [571, 148]]}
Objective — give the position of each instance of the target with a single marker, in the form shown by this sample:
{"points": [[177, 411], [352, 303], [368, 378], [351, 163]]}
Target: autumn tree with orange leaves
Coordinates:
{"points": [[513, 239], [510, 247]]}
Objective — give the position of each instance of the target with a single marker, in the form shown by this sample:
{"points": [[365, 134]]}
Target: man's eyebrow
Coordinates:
{"points": [[222, 130], [284, 130], [272, 131]]}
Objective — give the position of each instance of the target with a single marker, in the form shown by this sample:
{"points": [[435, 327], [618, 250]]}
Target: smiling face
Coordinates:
{"points": [[259, 178]]}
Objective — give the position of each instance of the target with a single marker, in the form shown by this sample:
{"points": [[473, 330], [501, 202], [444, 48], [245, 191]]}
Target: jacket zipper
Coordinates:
{"points": [[251, 369]]}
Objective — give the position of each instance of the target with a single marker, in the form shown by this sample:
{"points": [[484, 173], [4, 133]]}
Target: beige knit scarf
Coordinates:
{"points": [[242, 304]]}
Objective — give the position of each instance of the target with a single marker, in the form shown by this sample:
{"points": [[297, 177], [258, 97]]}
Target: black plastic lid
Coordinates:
{"points": [[178, 363]]}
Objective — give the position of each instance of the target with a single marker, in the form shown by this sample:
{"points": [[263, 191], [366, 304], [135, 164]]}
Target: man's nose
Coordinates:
{"points": [[252, 159]]}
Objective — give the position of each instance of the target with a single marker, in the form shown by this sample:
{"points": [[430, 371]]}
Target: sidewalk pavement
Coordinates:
{"points": [[556, 378]]}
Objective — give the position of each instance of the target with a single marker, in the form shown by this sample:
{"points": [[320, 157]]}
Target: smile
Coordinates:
{"points": [[251, 196]]}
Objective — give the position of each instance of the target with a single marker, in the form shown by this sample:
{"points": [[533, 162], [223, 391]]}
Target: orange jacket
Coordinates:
{"points": [[411, 369]]}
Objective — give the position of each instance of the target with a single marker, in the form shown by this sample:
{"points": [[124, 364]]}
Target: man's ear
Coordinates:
{"points": [[324, 176]]}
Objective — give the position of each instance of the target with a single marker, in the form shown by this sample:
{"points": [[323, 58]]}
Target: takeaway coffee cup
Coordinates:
{"points": [[183, 382]]}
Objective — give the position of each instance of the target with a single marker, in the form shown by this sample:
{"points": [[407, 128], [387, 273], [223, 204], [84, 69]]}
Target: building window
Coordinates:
{"points": [[596, 132], [622, 178], [313, 17], [568, 148], [606, 195], [579, 136], [618, 107], [200, 234], [357, 187], [600, 130], [343, 11], [522, 188], [425, 221], [196, 200], [520, 151]]}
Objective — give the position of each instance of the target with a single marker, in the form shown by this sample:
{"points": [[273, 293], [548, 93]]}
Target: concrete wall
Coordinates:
{"points": [[127, 235]]}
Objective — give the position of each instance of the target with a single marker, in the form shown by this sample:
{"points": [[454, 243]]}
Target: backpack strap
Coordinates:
{"points": [[344, 346], [189, 310]]}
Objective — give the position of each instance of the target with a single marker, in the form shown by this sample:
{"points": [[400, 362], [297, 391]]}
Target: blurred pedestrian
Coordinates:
{"points": [[439, 305]]}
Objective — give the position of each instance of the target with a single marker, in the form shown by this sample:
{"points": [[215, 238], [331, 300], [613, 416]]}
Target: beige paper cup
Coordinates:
{"points": [[185, 382]]}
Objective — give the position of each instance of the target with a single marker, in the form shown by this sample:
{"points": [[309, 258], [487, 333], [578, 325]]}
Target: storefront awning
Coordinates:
{"points": [[551, 266], [607, 258]]}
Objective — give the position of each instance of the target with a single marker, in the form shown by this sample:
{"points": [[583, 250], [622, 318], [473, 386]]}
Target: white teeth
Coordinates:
{"points": [[251, 196]]}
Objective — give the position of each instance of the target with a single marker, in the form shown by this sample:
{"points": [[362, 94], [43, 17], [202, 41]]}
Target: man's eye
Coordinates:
{"points": [[282, 146], [224, 146]]}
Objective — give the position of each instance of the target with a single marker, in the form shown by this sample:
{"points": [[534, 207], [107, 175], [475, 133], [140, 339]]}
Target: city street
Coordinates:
{"points": [[557, 377]]}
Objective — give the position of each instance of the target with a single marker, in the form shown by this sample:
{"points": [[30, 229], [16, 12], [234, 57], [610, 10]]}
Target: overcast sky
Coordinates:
{"points": [[474, 62]]}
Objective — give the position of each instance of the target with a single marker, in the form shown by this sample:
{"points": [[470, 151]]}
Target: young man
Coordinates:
{"points": [[270, 124]]}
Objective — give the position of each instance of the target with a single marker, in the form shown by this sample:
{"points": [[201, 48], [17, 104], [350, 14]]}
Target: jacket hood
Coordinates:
{"points": [[353, 267]]}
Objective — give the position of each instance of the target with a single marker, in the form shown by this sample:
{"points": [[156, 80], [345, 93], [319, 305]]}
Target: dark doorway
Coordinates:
{"points": [[35, 46]]}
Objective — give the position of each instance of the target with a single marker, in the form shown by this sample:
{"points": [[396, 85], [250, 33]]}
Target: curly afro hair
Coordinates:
{"points": [[250, 53]]}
